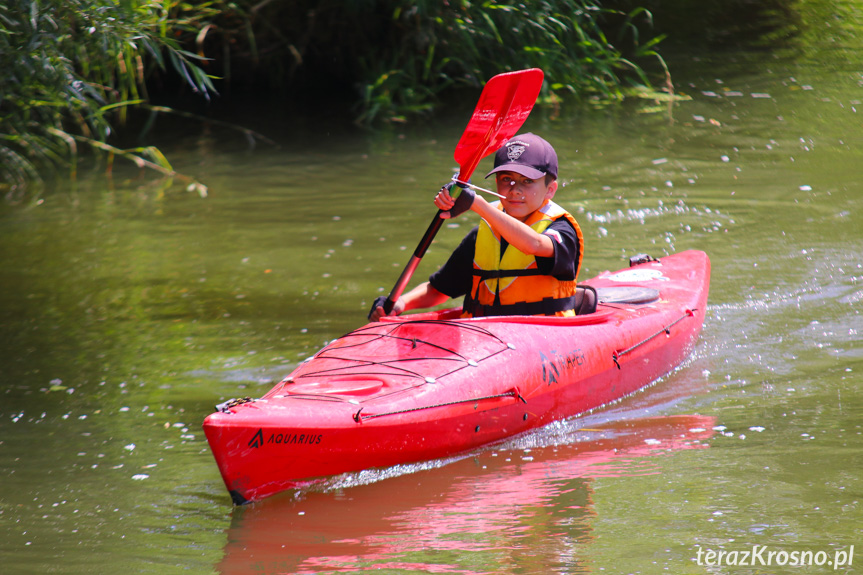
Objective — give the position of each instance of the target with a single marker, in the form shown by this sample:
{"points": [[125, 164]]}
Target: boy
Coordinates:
{"points": [[523, 258]]}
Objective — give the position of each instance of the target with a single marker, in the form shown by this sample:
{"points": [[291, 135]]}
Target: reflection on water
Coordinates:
{"points": [[530, 506]]}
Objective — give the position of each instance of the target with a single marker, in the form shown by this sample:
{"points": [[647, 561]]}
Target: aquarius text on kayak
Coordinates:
{"points": [[284, 439]]}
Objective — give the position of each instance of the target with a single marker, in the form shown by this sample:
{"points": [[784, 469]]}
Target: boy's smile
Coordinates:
{"points": [[523, 195]]}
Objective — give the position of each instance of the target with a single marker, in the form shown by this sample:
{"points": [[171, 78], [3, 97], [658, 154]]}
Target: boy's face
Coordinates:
{"points": [[523, 196]]}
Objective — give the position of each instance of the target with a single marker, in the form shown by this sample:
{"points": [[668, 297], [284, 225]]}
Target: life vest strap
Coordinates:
{"points": [[497, 274]]}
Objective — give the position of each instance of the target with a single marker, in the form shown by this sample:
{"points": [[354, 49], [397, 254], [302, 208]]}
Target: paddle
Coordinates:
{"points": [[504, 105]]}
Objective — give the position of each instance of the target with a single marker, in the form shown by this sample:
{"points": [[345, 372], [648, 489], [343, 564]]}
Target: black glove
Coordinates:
{"points": [[463, 202], [380, 301]]}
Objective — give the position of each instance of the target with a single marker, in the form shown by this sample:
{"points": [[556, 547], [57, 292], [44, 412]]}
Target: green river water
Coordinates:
{"points": [[128, 311]]}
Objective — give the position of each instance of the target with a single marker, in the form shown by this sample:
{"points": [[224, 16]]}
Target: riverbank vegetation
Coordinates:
{"points": [[71, 70]]}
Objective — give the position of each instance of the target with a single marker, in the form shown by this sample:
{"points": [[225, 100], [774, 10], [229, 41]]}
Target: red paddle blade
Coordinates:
{"points": [[504, 105]]}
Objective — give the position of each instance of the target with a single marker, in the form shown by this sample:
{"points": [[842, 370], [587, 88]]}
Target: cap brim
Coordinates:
{"points": [[521, 169]]}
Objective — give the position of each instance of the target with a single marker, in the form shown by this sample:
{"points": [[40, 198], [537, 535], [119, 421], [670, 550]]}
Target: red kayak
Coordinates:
{"points": [[432, 385]]}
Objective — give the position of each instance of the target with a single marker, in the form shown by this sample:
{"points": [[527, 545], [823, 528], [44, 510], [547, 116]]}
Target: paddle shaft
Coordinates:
{"points": [[412, 264], [422, 247]]}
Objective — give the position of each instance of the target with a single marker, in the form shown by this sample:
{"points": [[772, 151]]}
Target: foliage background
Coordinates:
{"points": [[70, 70]]}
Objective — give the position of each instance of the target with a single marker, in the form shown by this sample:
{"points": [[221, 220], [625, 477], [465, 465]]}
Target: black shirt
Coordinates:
{"points": [[455, 277]]}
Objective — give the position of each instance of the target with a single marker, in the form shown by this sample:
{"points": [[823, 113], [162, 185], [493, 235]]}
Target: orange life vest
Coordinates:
{"points": [[512, 284]]}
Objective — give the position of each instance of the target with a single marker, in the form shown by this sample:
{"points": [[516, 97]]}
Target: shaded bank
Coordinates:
{"points": [[72, 70]]}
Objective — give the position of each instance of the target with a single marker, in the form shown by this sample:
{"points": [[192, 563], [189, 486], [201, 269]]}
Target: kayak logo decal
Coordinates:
{"points": [[559, 363], [284, 438], [257, 439]]}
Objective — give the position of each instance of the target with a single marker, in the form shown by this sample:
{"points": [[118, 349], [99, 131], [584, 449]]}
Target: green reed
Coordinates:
{"points": [[422, 49], [70, 69]]}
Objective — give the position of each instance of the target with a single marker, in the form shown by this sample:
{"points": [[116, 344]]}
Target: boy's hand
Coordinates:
{"points": [[453, 208], [377, 311]]}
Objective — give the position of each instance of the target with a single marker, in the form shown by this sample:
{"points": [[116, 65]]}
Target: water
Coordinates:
{"points": [[129, 310]]}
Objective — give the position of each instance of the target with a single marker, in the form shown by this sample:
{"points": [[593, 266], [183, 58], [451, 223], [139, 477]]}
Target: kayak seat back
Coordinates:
{"points": [[585, 300]]}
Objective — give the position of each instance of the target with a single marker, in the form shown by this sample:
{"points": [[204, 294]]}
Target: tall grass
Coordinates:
{"points": [[399, 57], [586, 51], [69, 69]]}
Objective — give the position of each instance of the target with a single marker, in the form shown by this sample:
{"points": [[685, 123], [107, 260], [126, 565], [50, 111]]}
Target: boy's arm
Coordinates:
{"points": [[518, 234]]}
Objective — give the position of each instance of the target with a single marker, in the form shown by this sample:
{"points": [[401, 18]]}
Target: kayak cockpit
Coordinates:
{"points": [[590, 311]]}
